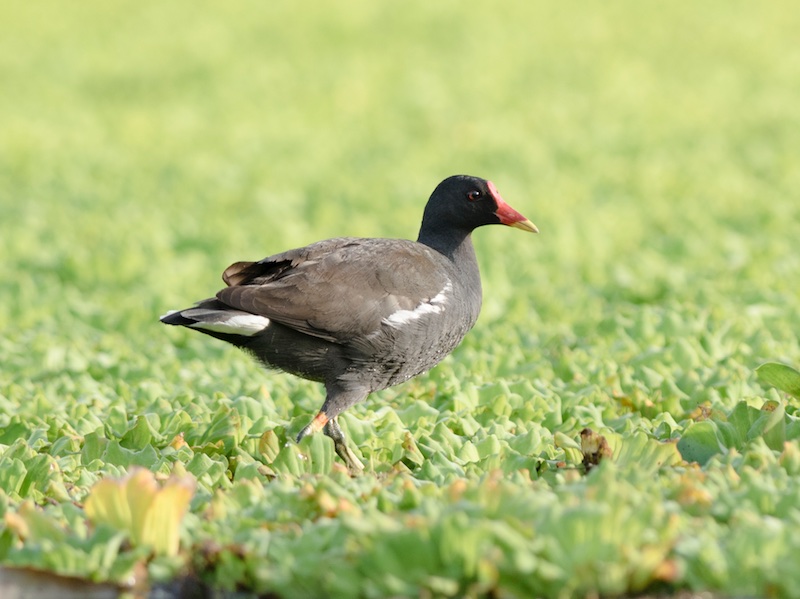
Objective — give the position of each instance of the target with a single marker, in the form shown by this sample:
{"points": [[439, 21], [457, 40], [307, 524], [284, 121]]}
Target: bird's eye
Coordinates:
{"points": [[474, 195]]}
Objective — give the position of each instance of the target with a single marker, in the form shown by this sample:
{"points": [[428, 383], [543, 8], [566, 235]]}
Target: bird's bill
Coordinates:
{"points": [[512, 218], [525, 225], [509, 216]]}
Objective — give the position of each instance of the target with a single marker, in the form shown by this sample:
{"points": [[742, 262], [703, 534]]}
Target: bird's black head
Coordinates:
{"points": [[463, 203]]}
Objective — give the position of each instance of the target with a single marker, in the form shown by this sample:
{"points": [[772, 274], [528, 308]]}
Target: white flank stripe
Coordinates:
{"points": [[435, 305], [235, 324]]}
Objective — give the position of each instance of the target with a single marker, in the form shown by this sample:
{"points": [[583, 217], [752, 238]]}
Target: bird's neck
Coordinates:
{"points": [[457, 247], [454, 244]]}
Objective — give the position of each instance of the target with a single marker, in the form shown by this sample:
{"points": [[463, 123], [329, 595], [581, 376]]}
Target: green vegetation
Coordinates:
{"points": [[145, 147]]}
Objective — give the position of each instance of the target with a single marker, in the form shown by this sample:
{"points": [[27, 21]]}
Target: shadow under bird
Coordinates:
{"points": [[360, 314]]}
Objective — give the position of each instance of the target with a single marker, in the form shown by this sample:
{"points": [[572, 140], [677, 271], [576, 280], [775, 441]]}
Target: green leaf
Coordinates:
{"points": [[319, 451], [646, 453], [116, 420], [410, 451], [6, 542], [30, 522], [700, 442], [210, 471], [770, 424], [139, 435], [94, 445], [531, 442], [269, 446], [224, 427], [119, 456], [746, 423], [488, 446], [12, 475], [291, 460], [12, 432], [785, 378], [41, 469]]}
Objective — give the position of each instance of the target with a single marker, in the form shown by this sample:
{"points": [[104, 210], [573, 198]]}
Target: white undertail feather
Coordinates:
{"points": [[221, 321], [435, 305]]}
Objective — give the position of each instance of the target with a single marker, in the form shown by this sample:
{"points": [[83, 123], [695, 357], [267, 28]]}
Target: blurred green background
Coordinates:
{"points": [[141, 140], [146, 146]]}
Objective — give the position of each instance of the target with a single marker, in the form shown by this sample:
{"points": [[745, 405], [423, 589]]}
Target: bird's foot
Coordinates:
{"points": [[333, 431], [353, 464], [340, 445]]}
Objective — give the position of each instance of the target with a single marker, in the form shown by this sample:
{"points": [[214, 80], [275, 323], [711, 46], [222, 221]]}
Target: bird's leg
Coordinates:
{"points": [[316, 425], [340, 445], [332, 430], [338, 399]]}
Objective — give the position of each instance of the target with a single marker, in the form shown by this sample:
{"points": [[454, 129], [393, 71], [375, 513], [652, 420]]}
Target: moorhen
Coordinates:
{"points": [[360, 315]]}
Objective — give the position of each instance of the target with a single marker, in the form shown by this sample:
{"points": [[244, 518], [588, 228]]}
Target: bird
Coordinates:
{"points": [[360, 314]]}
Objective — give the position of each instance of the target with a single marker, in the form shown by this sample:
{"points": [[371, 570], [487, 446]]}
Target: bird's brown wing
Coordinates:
{"points": [[337, 289]]}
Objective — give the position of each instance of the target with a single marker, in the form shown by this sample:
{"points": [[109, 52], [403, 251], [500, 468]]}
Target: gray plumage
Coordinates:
{"points": [[360, 314]]}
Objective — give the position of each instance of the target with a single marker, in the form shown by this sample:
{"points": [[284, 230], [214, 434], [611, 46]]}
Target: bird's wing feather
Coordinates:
{"points": [[337, 289]]}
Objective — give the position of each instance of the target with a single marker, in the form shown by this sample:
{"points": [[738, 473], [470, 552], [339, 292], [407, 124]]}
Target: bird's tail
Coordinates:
{"points": [[214, 318]]}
